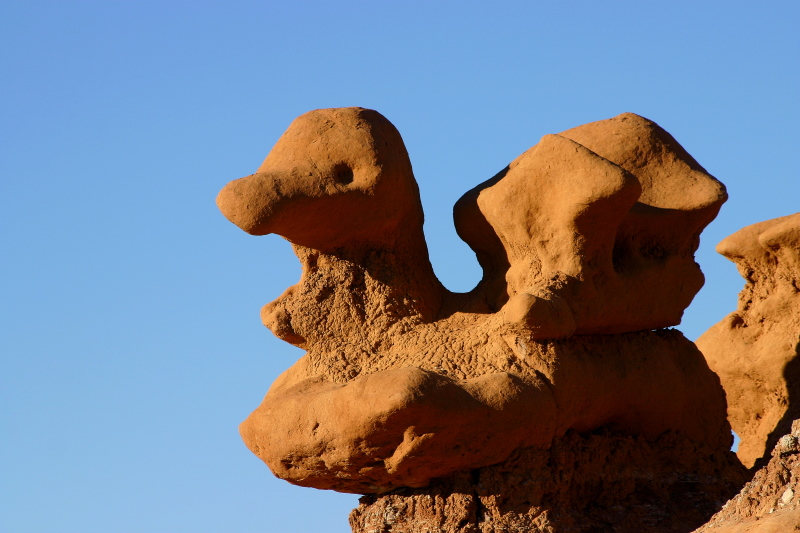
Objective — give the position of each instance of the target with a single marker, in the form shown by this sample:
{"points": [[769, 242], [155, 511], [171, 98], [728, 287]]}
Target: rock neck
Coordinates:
{"points": [[357, 295]]}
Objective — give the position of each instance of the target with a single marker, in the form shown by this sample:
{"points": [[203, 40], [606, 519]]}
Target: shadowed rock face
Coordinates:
{"points": [[596, 482], [586, 241], [755, 349], [770, 502]]}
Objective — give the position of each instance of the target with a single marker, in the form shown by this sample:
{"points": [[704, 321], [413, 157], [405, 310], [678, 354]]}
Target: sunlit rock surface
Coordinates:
{"points": [[552, 395], [756, 349]]}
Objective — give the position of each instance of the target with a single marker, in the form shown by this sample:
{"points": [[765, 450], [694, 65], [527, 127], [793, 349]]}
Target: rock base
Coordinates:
{"points": [[594, 482], [770, 502]]}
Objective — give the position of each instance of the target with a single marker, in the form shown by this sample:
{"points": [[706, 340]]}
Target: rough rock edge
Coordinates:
{"points": [[594, 482], [770, 502], [755, 350]]}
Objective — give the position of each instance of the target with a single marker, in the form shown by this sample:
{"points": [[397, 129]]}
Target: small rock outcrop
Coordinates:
{"points": [[770, 502], [756, 349], [553, 387]]}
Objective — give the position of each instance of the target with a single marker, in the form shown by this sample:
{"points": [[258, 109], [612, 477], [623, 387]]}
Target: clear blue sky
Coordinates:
{"points": [[131, 342]]}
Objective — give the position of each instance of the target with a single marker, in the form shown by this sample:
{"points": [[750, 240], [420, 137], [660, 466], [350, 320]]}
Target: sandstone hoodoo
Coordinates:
{"points": [[553, 385], [756, 349]]}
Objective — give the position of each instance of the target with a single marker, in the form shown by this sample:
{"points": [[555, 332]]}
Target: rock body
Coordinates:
{"points": [[755, 350], [587, 247], [770, 502]]}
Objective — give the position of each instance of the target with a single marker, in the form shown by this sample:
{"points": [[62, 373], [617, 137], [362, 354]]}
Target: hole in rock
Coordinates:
{"points": [[343, 174]]}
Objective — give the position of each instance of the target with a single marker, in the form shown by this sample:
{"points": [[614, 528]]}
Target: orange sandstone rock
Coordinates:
{"points": [[602, 220], [586, 241], [755, 349], [404, 426]]}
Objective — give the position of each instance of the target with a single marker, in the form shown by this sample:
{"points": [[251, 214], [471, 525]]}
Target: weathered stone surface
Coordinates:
{"points": [[602, 220], [770, 502], [586, 242], [404, 426], [755, 350], [593, 482]]}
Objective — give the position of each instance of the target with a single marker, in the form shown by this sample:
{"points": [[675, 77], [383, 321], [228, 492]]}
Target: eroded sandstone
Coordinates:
{"points": [[755, 350], [586, 242]]}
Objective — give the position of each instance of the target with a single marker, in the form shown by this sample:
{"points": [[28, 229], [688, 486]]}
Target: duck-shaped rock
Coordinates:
{"points": [[586, 241]]}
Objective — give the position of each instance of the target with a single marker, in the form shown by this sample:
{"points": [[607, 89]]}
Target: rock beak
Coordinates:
{"points": [[250, 202]]}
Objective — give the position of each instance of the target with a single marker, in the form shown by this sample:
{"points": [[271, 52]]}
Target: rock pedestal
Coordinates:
{"points": [[593, 482]]}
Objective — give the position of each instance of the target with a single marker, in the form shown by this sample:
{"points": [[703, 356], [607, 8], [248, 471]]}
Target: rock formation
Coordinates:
{"points": [[592, 482], [558, 359], [770, 502], [755, 350]]}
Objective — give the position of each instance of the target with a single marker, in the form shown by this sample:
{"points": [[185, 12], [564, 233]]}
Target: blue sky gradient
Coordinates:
{"points": [[131, 343]]}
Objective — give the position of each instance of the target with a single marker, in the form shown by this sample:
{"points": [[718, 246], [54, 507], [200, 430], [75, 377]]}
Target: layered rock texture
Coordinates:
{"points": [[591, 482], [770, 502], [755, 350], [553, 396]]}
